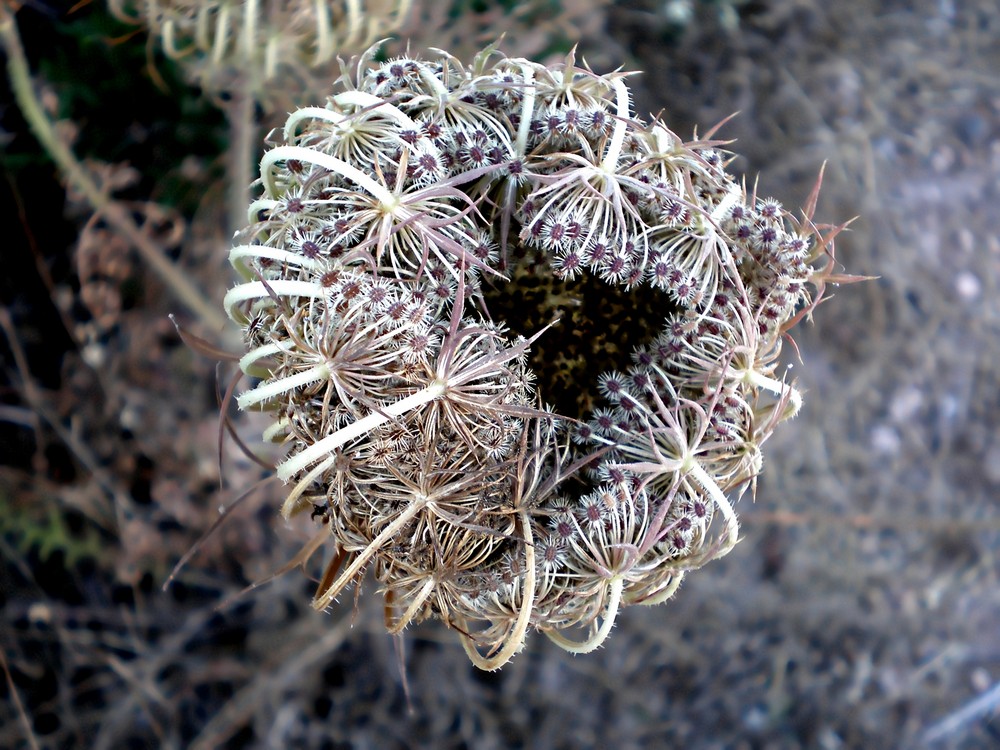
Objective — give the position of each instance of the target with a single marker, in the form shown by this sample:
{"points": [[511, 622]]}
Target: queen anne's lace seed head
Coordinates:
{"points": [[391, 223]]}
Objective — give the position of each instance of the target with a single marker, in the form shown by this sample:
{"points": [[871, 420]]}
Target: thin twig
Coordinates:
{"points": [[955, 722], [242, 155], [21, 714]]}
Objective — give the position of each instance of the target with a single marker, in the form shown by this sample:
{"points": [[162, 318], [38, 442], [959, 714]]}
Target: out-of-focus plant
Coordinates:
{"points": [[407, 233], [274, 53], [49, 534], [261, 46]]}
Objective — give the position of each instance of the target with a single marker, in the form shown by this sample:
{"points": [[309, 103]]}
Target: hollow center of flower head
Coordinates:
{"points": [[599, 327]]}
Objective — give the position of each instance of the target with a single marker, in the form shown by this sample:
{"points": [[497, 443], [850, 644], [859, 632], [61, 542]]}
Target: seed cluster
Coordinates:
{"points": [[388, 220]]}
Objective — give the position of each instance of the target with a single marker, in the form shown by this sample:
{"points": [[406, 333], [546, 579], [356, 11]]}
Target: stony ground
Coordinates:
{"points": [[861, 609]]}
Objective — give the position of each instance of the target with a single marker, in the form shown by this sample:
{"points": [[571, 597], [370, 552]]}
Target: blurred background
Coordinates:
{"points": [[860, 610]]}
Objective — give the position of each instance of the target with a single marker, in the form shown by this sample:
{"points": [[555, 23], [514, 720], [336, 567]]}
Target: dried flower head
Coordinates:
{"points": [[414, 241]]}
